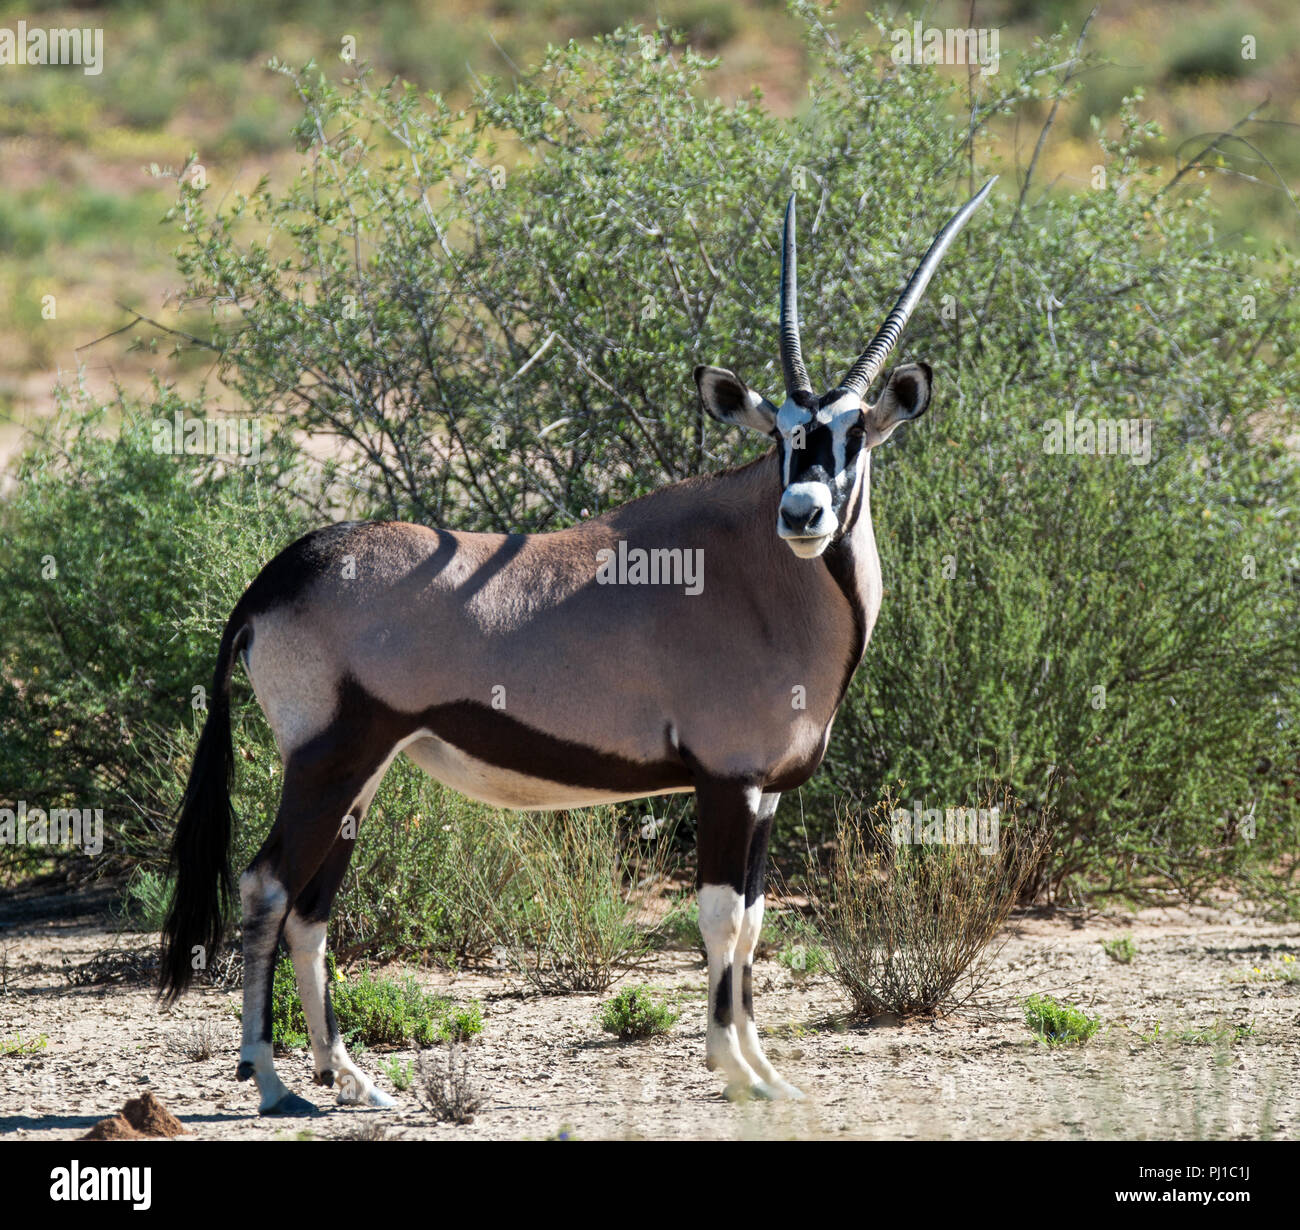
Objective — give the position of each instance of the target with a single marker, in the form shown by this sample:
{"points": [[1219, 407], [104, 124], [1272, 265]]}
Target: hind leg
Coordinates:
{"points": [[304, 932], [308, 826], [264, 901]]}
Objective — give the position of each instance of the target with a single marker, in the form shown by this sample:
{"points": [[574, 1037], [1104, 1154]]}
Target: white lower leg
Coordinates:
{"points": [[263, 899], [743, 1004], [721, 914], [306, 941]]}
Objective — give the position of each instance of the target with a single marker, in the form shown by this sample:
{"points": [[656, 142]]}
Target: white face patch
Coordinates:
{"points": [[807, 520]]}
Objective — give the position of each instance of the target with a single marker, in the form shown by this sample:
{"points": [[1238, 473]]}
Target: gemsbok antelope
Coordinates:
{"points": [[363, 640]]}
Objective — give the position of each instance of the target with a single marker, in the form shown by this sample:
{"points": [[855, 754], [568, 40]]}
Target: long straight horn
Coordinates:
{"points": [[869, 363], [796, 375]]}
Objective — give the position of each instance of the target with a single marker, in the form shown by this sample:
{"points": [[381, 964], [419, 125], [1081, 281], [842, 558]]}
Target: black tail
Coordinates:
{"points": [[200, 857]]}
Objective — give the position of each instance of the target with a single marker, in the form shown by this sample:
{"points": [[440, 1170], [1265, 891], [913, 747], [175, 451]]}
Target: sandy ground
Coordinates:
{"points": [[544, 1066]]}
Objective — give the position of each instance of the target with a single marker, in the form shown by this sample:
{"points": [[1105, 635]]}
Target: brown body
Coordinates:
{"points": [[485, 643]]}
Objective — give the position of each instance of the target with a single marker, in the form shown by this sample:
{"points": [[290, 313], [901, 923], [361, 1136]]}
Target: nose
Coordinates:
{"points": [[797, 520], [800, 513]]}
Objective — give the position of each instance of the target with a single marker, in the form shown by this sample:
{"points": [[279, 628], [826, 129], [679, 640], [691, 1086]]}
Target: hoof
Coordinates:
{"points": [[783, 1091], [357, 1089], [762, 1091], [325, 1078], [747, 1091], [290, 1104], [375, 1099], [244, 1071]]}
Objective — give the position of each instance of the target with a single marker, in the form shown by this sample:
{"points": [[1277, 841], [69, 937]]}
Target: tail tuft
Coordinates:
{"points": [[200, 855]]}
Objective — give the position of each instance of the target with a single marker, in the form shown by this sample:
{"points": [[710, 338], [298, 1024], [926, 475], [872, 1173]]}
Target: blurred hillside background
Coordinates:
{"points": [[84, 159]]}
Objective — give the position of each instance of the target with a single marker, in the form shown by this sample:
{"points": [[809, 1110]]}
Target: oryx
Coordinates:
{"points": [[502, 665]]}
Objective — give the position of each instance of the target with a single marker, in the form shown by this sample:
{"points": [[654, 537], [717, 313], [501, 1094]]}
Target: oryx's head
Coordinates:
{"points": [[822, 442]]}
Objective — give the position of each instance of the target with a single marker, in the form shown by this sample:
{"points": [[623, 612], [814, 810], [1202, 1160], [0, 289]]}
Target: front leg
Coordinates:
{"points": [[731, 824], [747, 945]]}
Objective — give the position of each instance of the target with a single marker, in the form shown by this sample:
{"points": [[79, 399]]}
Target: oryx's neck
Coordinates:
{"points": [[854, 563], [732, 517]]}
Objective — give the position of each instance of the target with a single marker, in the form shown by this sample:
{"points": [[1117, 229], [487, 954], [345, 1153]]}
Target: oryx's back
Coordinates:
{"points": [[493, 650]]}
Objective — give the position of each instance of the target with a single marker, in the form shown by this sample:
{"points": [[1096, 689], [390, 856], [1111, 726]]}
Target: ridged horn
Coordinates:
{"points": [[869, 363], [796, 375]]}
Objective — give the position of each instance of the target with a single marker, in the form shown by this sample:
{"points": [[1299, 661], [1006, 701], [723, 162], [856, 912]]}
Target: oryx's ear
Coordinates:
{"points": [[729, 400], [905, 396]]}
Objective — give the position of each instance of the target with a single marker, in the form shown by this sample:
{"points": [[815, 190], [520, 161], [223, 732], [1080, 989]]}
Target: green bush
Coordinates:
{"points": [[803, 953], [570, 921], [633, 1013], [1121, 950], [1056, 1024], [526, 289], [371, 1011], [146, 899], [107, 545], [1117, 642], [1213, 51]]}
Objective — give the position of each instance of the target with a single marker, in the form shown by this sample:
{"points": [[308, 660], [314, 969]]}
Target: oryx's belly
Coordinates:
{"points": [[501, 787]]}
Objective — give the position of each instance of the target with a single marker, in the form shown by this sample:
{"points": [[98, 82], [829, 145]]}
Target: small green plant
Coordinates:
{"points": [[801, 949], [463, 1024], [402, 1074], [147, 899], [633, 1014], [1056, 1024], [371, 1011], [1122, 949], [1219, 1034], [15, 1047]]}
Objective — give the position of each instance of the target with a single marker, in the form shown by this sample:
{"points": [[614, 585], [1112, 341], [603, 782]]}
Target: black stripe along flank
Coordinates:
{"points": [[497, 739]]}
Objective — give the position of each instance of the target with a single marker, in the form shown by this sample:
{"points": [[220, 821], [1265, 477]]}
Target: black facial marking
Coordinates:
{"points": [[815, 462]]}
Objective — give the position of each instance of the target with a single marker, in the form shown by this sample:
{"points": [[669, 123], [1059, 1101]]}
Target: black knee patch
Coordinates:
{"points": [[747, 991], [722, 1005], [326, 1078], [244, 1071]]}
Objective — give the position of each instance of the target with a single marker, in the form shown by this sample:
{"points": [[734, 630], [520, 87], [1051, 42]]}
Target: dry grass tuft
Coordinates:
{"points": [[909, 920]]}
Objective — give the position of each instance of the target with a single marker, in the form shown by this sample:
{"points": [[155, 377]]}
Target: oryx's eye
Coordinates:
{"points": [[857, 431]]}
